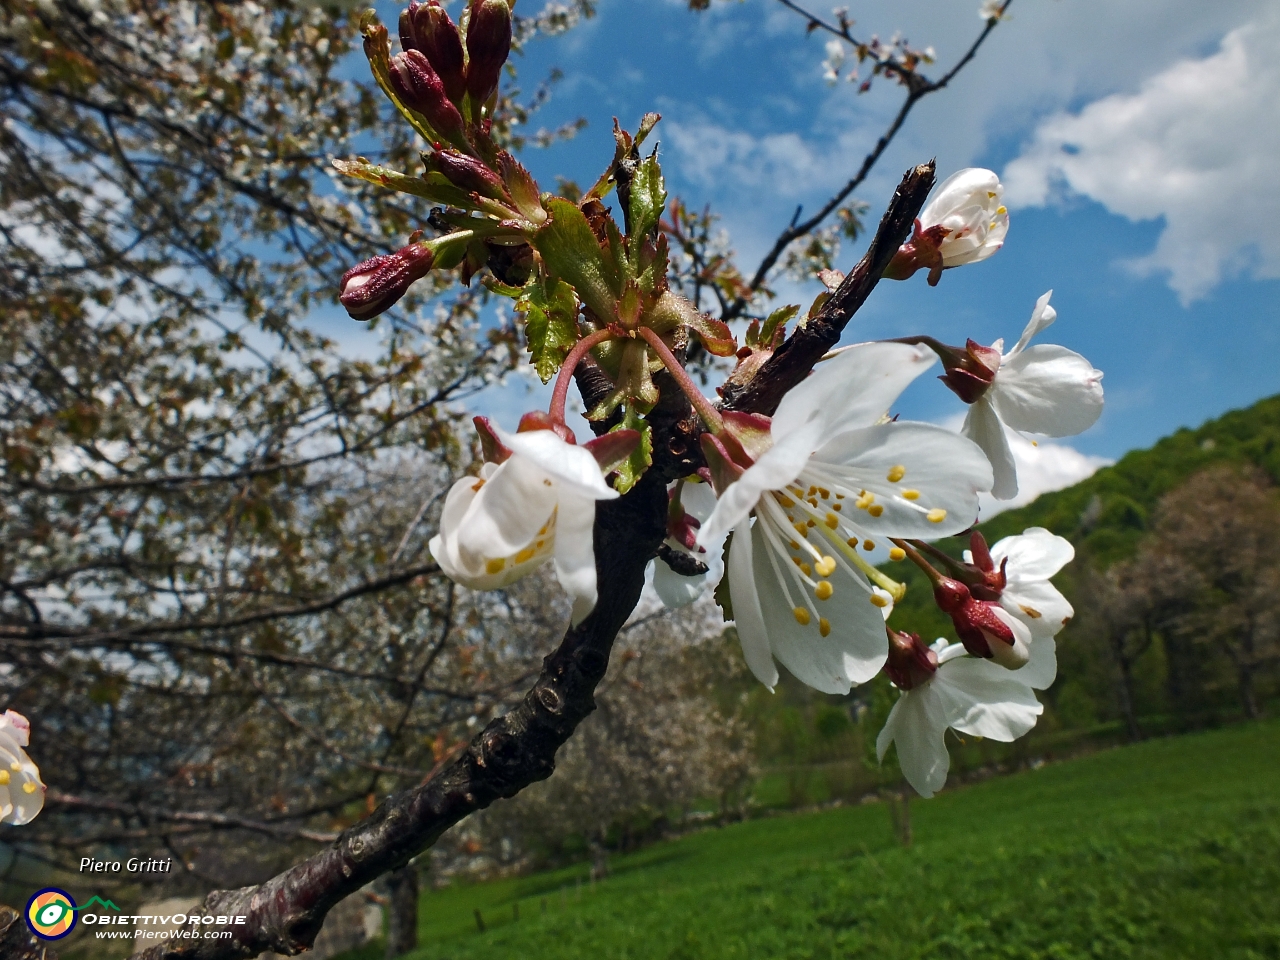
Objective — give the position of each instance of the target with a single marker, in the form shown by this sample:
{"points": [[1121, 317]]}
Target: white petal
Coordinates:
{"points": [[1039, 605], [571, 465], [854, 650], [698, 500], [1048, 389], [985, 700], [1041, 317], [506, 513], [747, 617], [853, 389], [1034, 554], [674, 590], [957, 193], [918, 725], [1017, 654], [777, 467], [575, 552], [983, 427], [945, 469], [1042, 669]]}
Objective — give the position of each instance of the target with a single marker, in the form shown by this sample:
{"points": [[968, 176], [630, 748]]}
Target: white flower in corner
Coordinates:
{"points": [[538, 503], [944, 687], [965, 222], [21, 792], [832, 480], [1042, 389]]}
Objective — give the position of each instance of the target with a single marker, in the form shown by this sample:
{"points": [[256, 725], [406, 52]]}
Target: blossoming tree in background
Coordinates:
{"points": [[775, 493]]}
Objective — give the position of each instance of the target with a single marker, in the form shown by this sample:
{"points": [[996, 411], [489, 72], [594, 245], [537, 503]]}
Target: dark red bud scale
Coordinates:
{"points": [[910, 662], [419, 88], [464, 172], [488, 45], [372, 287], [431, 31]]}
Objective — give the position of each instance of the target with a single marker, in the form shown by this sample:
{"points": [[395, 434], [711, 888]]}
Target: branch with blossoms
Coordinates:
{"points": [[778, 490]]}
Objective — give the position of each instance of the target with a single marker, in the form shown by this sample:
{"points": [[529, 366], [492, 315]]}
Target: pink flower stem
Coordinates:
{"points": [[705, 408], [561, 392]]}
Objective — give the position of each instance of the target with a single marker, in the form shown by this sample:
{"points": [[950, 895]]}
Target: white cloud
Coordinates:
{"points": [[1196, 146]]}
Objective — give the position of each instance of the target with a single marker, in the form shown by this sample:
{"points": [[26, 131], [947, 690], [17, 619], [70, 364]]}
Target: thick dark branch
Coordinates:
{"points": [[17, 942], [792, 362], [286, 912]]}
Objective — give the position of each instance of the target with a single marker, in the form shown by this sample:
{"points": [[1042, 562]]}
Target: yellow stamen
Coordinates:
{"points": [[897, 472], [875, 509], [494, 566], [28, 787], [813, 502], [868, 545], [802, 530], [806, 570], [812, 491], [936, 515], [4, 778], [546, 483], [801, 615], [910, 494], [811, 522], [475, 487], [878, 600], [786, 501], [897, 553], [837, 507], [543, 531], [824, 493], [525, 555], [824, 626], [839, 496], [826, 566], [794, 545], [824, 590], [1031, 612], [796, 561], [832, 520], [853, 542]]}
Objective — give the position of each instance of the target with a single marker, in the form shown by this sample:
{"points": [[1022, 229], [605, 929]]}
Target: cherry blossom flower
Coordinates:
{"points": [[1043, 389], [1026, 562], [21, 792], [835, 480], [538, 503], [945, 688], [964, 223]]}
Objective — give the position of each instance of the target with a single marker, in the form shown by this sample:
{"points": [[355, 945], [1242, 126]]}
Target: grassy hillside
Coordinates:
{"points": [[1168, 849]]}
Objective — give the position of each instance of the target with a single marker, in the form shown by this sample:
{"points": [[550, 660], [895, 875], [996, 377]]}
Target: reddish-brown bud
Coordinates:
{"points": [[420, 88], [464, 172], [910, 662], [980, 628], [426, 27], [488, 44], [541, 420], [369, 288]]}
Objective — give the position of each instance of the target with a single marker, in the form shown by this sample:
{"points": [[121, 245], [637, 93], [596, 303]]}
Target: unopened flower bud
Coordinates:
{"points": [[420, 88], [426, 27], [372, 287], [910, 662], [464, 172], [964, 223], [488, 44], [982, 626]]}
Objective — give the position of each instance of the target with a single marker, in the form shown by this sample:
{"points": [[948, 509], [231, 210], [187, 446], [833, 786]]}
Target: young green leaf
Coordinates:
{"points": [[648, 198], [571, 253], [633, 467], [551, 324]]}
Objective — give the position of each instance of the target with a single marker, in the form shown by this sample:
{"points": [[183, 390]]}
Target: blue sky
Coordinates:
{"points": [[1137, 142]]}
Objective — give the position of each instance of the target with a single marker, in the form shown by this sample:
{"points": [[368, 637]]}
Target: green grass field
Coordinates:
{"points": [[1169, 849]]}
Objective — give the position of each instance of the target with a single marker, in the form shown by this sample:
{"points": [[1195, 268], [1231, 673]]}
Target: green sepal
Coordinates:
{"points": [[632, 469], [776, 320], [551, 324], [435, 189], [571, 253]]}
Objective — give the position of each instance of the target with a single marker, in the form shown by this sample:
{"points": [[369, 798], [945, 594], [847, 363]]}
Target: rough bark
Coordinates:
{"points": [[17, 942], [285, 912]]}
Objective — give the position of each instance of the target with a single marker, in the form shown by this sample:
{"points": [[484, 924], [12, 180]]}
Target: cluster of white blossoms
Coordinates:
{"points": [[805, 496], [21, 792]]}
